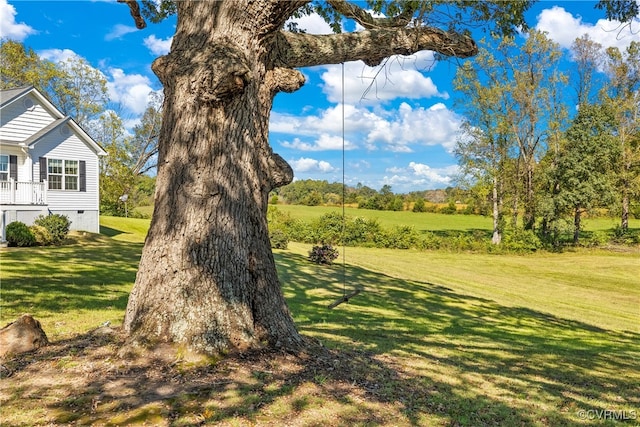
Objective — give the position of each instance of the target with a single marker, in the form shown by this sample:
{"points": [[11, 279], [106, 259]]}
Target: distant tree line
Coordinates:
{"points": [[309, 192]]}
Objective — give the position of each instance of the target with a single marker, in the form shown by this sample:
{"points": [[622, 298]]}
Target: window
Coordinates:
{"points": [[71, 175], [62, 174], [4, 168]]}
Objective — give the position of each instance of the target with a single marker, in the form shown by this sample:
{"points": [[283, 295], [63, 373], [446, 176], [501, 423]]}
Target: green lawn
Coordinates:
{"points": [[426, 221], [435, 338]]}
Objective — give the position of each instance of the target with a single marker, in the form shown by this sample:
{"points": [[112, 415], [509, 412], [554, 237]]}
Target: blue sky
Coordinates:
{"points": [[400, 122]]}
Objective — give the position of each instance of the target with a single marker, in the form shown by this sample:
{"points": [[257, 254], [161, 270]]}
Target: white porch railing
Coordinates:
{"points": [[23, 193]]}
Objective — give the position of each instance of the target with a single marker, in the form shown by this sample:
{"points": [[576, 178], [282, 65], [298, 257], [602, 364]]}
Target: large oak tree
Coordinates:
{"points": [[207, 277]]}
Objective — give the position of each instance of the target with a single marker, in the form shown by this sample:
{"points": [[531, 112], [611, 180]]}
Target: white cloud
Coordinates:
{"points": [[392, 130], [118, 31], [58, 55], [312, 24], [434, 175], [399, 77], [436, 125], [323, 143], [158, 46], [130, 90], [419, 175], [305, 164], [328, 122], [9, 28], [564, 28]]}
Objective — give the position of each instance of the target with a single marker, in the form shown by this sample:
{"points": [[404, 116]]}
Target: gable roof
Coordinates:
{"points": [[8, 96]]}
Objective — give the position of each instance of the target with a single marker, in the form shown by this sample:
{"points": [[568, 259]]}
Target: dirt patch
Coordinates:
{"points": [[96, 379]]}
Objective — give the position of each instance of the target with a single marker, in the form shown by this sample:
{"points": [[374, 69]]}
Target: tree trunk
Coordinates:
{"points": [[207, 277], [497, 232], [625, 212], [576, 225], [529, 215]]}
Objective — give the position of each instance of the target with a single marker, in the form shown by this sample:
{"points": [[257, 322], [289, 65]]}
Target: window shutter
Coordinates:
{"points": [[43, 169], [83, 175], [13, 167]]}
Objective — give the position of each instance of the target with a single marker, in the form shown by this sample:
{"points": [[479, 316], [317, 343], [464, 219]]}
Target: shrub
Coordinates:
{"points": [[450, 209], [402, 237], [323, 254], [362, 232], [41, 234], [57, 225], [520, 240], [419, 206], [18, 234], [279, 239], [596, 239]]}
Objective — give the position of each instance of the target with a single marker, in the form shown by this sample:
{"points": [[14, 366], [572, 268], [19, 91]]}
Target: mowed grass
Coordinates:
{"points": [[427, 221], [437, 339]]}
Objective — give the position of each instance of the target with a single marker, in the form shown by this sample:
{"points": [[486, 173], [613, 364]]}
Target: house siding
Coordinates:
{"points": [[24, 165], [18, 123], [55, 145]]}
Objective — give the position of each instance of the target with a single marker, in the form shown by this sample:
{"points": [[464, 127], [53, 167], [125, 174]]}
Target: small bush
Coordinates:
{"points": [[596, 239], [402, 237], [18, 234], [520, 240], [323, 254], [42, 235], [279, 239], [57, 225], [450, 209]]}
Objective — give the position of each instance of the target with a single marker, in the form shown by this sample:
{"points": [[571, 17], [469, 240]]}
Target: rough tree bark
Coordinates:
{"points": [[207, 277]]}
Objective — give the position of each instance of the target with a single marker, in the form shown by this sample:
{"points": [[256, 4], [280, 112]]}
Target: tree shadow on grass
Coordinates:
{"points": [[530, 359], [110, 232], [51, 280], [400, 353]]}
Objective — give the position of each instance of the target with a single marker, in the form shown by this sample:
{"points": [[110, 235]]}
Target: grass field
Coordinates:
{"points": [[426, 221], [435, 338]]}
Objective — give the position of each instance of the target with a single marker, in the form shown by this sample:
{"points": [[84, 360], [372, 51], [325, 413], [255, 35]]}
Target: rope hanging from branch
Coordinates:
{"points": [[345, 296]]}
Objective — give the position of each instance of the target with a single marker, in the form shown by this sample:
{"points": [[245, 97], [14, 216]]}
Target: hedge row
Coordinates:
{"points": [[332, 229]]}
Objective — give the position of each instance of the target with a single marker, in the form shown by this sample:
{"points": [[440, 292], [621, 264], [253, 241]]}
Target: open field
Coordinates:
{"points": [[424, 221], [427, 221], [434, 339]]}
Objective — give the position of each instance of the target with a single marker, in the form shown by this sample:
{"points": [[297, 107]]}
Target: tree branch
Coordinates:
{"points": [[134, 8], [365, 19], [371, 46]]}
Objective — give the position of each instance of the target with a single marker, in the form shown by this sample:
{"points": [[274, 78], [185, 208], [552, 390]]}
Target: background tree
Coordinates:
{"points": [[588, 57], [531, 103], [143, 148], [129, 158], [81, 90], [483, 148], [586, 165], [622, 95], [116, 176], [21, 66]]}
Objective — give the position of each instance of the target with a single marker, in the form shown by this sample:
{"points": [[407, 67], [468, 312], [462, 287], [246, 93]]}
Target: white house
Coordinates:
{"points": [[48, 164]]}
